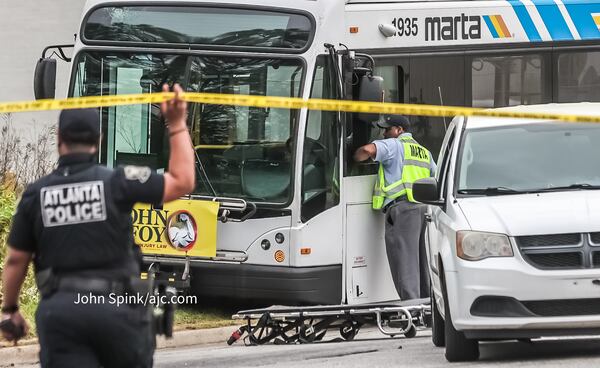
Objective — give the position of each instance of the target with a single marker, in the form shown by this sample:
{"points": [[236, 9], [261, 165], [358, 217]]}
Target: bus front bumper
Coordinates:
{"points": [[283, 285]]}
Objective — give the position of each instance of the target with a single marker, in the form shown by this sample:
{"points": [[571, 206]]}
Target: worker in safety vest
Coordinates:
{"points": [[402, 161]]}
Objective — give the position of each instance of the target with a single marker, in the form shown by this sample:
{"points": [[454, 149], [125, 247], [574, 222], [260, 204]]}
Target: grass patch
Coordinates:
{"points": [[196, 317]]}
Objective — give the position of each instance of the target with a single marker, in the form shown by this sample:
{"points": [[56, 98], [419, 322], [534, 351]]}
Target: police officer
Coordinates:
{"points": [[402, 161], [76, 226]]}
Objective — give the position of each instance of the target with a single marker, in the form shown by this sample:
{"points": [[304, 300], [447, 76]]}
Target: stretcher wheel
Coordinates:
{"points": [[427, 320], [412, 332], [307, 334], [348, 330]]}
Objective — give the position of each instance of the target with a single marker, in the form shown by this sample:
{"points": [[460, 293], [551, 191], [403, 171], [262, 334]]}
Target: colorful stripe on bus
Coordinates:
{"points": [[497, 26], [556, 20]]}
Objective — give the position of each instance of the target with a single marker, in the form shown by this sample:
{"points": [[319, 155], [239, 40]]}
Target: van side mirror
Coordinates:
{"points": [[44, 80], [426, 191], [370, 89]]}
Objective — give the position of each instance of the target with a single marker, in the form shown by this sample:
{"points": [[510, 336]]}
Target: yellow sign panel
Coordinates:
{"points": [[181, 227]]}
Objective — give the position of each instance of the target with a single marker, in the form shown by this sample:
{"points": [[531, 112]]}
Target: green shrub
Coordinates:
{"points": [[29, 295], [7, 208]]}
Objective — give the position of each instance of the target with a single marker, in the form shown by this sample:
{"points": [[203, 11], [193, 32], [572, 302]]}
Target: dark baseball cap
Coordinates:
{"points": [[387, 121], [79, 126]]}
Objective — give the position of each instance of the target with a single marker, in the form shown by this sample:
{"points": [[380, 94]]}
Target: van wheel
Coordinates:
{"points": [[437, 326], [458, 347]]}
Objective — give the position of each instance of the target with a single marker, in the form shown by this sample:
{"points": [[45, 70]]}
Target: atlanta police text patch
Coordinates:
{"points": [[74, 203]]}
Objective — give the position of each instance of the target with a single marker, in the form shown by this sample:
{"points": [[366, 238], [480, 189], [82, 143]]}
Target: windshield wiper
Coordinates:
{"points": [[577, 186], [490, 191], [203, 175]]}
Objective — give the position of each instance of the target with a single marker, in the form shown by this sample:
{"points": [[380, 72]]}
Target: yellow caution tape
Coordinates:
{"points": [[285, 103]]}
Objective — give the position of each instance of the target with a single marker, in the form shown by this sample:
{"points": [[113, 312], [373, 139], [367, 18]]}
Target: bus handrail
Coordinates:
{"points": [[227, 256], [232, 204]]}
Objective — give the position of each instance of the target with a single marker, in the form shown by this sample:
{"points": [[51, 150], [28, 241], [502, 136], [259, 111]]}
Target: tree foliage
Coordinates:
{"points": [[21, 163]]}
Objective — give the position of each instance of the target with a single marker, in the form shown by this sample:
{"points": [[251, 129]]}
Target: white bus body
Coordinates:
{"points": [[469, 53]]}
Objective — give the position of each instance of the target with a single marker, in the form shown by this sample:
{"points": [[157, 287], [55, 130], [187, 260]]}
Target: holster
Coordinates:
{"points": [[46, 281], [162, 315], [139, 286]]}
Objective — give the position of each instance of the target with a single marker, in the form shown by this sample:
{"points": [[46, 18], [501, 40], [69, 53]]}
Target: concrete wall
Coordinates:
{"points": [[27, 27]]}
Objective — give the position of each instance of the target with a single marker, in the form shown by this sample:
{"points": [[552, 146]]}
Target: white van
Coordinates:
{"points": [[513, 229]]}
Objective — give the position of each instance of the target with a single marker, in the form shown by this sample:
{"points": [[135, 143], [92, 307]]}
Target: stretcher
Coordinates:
{"points": [[293, 325]]}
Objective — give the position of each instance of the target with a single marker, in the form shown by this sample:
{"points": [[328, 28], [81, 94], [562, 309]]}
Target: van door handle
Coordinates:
{"points": [[428, 218]]}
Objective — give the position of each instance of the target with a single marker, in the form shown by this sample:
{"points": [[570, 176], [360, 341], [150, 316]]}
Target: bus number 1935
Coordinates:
{"points": [[406, 26]]}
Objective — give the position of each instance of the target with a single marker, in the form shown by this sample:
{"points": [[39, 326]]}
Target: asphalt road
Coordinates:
{"points": [[370, 350]]}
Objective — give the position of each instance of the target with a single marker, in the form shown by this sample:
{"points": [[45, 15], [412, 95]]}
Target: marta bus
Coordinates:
{"points": [[287, 213]]}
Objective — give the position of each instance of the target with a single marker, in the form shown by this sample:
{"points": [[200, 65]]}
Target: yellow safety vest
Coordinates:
{"points": [[416, 165]]}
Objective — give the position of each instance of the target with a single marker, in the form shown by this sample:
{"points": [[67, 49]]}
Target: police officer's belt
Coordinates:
{"points": [[394, 201], [90, 285]]}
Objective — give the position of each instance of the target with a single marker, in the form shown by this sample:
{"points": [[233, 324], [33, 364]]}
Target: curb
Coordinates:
{"points": [[28, 354], [195, 337]]}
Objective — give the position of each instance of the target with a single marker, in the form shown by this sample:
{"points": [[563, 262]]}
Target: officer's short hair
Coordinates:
{"points": [[79, 126]]}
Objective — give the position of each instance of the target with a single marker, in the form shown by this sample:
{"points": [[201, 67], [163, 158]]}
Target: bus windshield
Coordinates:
{"points": [[217, 27], [242, 152]]}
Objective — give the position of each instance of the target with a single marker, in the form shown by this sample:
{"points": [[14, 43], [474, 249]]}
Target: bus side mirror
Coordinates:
{"points": [[371, 89], [44, 80]]}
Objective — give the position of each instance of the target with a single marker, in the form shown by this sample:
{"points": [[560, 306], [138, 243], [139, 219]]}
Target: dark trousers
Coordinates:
{"points": [[92, 335], [405, 247]]}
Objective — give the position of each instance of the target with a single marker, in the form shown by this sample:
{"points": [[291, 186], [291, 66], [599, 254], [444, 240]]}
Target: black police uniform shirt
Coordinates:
{"points": [[78, 218]]}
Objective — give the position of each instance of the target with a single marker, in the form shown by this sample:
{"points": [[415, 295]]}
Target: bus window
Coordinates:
{"points": [[395, 90], [244, 152], [435, 80], [320, 172], [498, 81], [578, 76], [390, 74], [132, 135]]}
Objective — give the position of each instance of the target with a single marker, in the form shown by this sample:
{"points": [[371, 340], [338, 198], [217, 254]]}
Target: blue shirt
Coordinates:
{"points": [[390, 153]]}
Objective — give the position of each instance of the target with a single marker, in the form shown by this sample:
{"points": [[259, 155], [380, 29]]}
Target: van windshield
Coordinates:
{"points": [[541, 156]]}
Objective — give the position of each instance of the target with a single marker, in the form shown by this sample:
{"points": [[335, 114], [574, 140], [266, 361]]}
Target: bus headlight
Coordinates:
{"points": [[475, 245]]}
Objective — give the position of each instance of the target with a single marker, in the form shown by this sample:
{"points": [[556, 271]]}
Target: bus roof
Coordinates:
{"points": [[408, 24]]}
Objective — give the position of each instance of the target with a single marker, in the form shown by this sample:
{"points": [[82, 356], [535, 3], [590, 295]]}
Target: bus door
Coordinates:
{"points": [[367, 272]]}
